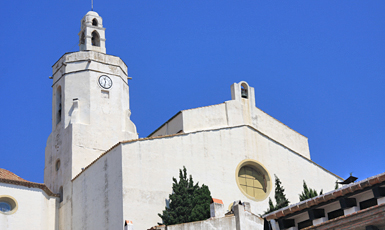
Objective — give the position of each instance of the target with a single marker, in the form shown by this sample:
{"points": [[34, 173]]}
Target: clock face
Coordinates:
{"points": [[105, 82]]}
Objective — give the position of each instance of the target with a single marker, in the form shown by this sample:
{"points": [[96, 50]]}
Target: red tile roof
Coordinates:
{"points": [[333, 195], [5, 174], [214, 200], [11, 178]]}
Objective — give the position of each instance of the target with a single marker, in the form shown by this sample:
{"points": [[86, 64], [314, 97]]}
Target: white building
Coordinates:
{"points": [[105, 175]]}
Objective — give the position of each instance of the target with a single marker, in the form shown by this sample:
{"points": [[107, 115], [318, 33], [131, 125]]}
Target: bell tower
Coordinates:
{"points": [[90, 108], [92, 33]]}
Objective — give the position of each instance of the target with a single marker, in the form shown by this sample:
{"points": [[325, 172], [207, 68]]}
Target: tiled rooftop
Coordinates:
{"points": [[333, 195], [5, 174], [11, 178]]}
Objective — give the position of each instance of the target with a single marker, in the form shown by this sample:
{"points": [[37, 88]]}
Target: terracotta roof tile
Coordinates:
{"points": [[333, 195], [11, 178], [5, 174], [214, 200]]}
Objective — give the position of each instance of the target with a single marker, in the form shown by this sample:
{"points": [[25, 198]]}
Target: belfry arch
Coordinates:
{"points": [[92, 33], [94, 22], [95, 38]]}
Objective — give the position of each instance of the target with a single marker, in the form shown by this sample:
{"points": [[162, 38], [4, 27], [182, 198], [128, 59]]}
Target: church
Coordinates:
{"points": [[99, 175]]}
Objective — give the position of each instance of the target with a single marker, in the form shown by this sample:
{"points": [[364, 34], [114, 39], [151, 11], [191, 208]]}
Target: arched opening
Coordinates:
{"points": [[82, 38], [57, 165], [94, 22], [95, 38], [244, 91], [61, 194], [58, 105]]}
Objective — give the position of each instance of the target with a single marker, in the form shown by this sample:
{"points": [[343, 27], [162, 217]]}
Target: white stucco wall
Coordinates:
{"points": [[239, 111], [97, 195], [211, 157], [36, 210]]}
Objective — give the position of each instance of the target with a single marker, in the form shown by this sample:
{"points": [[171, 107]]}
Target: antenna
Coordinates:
{"points": [[92, 5]]}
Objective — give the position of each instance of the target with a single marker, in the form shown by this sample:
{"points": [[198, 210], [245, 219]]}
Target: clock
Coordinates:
{"points": [[105, 81]]}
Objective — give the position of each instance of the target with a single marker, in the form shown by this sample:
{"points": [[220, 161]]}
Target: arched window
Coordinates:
{"points": [[95, 38], [82, 38], [58, 105], [94, 22], [244, 91], [57, 165], [61, 193]]}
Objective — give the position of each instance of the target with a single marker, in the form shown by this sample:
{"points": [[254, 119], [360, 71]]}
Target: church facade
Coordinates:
{"points": [[98, 173]]}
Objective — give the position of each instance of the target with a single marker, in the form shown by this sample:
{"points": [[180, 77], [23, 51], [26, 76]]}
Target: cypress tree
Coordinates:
{"points": [[188, 202], [280, 197], [308, 192], [201, 204]]}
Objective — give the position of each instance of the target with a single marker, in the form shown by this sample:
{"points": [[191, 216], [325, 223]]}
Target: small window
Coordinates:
{"points": [[82, 39], [95, 38], [8, 205], [58, 105], [335, 214], [57, 165], [94, 22], [368, 203], [61, 194], [304, 224]]}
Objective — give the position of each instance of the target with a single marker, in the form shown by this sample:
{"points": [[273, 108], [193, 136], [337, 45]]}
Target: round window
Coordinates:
{"points": [[253, 180], [8, 205]]}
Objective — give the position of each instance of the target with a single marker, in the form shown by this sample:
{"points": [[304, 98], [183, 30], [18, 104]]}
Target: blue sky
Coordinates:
{"points": [[317, 66]]}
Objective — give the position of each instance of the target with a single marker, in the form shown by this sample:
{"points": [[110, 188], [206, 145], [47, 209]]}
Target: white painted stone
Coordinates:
{"points": [[319, 220], [274, 225], [211, 156], [381, 200], [238, 111], [129, 225], [35, 209], [351, 210], [293, 228], [88, 27], [217, 210]]}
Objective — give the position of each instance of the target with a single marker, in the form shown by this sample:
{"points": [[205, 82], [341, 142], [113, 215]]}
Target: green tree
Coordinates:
{"points": [[280, 197], [201, 204], [308, 192], [188, 202]]}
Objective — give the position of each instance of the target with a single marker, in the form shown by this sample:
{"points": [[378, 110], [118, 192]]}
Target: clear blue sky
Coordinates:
{"points": [[317, 66]]}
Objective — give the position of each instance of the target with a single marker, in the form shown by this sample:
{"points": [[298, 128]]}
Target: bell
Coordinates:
{"points": [[244, 93]]}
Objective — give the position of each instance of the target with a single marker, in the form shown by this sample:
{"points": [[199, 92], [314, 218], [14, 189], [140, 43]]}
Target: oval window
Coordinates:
{"points": [[8, 205]]}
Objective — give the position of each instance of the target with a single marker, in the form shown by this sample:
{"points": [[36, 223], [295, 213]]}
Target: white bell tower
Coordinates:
{"points": [[92, 33], [90, 108]]}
